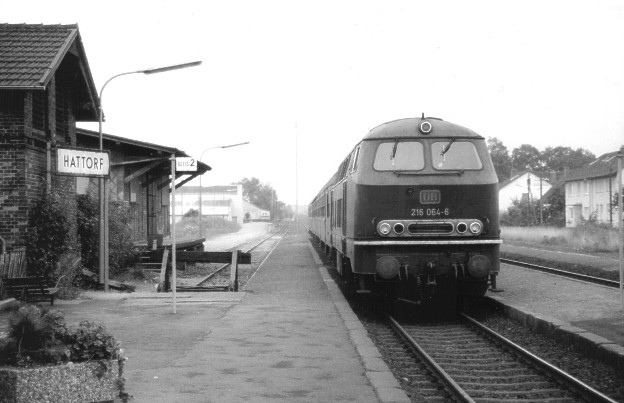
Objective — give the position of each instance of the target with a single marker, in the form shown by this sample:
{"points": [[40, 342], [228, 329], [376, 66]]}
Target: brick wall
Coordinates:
{"points": [[27, 159]]}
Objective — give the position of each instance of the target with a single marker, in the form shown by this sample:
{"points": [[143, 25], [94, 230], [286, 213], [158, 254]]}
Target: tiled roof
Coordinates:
{"points": [[29, 54], [603, 166]]}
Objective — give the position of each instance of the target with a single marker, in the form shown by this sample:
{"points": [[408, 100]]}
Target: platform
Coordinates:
{"points": [[289, 336]]}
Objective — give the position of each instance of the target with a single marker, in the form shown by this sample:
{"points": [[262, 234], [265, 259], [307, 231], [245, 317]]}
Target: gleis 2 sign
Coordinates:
{"points": [[82, 162]]}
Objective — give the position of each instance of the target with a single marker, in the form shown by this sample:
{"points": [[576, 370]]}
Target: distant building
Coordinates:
{"points": [[217, 201], [589, 191], [522, 186], [254, 213]]}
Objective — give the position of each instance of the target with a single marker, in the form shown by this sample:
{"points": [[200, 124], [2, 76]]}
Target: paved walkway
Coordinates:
{"points": [[586, 314], [289, 336]]}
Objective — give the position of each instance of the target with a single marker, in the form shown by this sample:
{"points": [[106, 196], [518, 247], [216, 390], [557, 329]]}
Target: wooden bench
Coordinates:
{"points": [[29, 289]]}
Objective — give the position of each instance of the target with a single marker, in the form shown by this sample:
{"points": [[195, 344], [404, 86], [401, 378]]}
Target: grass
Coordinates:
{"points": [[589, 238]]}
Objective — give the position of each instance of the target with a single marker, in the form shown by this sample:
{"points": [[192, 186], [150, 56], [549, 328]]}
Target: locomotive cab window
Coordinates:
{"points": [[454, 155], [399, 155]]}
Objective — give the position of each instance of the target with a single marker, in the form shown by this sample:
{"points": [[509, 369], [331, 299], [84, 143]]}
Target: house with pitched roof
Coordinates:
{"points": [[524, 185], [46, 87], [589, 191]]}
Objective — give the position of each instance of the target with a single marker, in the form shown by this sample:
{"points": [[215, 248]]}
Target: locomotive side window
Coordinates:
{"points": [[453, 155], [399, 155], [354, 160]]}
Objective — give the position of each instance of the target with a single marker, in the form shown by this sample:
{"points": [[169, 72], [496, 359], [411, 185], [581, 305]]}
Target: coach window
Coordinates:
{"points": [[399, 155], [451, 155]]}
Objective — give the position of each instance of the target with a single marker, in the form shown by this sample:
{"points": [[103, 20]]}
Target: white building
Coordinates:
{"points": [[521, 186], [218, 201], [589, 191]]}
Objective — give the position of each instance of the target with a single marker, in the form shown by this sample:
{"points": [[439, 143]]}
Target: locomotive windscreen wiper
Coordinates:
{"points": [[394, 150], [448, 146]]}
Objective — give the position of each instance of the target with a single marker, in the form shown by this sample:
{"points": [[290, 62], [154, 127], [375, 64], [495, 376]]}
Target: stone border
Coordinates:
{"points": [[379, 375], [597, 346]]}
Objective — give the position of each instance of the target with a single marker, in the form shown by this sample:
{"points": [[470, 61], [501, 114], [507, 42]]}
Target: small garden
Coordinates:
{"points": [[42, 359]]}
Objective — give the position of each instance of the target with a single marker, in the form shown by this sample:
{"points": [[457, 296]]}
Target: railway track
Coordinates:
{"points": [[563, 273], [475, 364], [221, 268]]}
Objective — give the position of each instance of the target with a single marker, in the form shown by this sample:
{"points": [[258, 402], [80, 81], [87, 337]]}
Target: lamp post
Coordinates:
{"points": [[103, 195], [200, 224]]}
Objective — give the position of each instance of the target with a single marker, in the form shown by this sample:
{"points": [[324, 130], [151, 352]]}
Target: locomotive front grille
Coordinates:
{"points": [[416, 228]]}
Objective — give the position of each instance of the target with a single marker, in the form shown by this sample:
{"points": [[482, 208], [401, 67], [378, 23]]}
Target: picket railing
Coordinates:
{"points": [[12, 264]]}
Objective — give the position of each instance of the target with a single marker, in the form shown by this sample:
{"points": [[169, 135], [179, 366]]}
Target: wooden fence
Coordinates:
{"points": [[13, 264]]}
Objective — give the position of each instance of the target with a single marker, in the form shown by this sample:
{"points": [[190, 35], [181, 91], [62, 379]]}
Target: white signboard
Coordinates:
{"points": [[186, 164], [82, 162]]}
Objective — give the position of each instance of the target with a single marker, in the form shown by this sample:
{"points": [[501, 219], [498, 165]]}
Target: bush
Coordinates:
{"points": [[51, 235], [87, 220], [40, 336], [121, 250], [91, 341], [122, 253], [35, 336]]}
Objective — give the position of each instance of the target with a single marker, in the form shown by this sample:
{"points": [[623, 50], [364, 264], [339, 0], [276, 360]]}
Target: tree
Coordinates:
{"points": [[500, 158], [526, 157], [259, 194], [557, 158]]}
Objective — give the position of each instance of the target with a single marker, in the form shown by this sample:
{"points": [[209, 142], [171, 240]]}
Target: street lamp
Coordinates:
{"points": [[103, 219], [200, 226]]}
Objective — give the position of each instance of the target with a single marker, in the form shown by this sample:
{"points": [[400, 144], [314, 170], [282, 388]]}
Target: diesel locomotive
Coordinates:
{"points": [[412, 213]]}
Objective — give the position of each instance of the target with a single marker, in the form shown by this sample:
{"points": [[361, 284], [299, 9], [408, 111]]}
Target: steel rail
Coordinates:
{"points": [[586, 391], [564, 273], [457, 391], [226, 265]]}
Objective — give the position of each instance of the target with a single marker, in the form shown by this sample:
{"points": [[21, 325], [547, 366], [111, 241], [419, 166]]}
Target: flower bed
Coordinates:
{"points": [[41, 359]]}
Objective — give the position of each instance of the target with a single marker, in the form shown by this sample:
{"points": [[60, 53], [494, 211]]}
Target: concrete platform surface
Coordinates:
{"points": [[289, 336], [588, 315]]}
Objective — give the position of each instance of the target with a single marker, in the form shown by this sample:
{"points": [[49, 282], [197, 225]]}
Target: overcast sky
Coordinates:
{"points": [[320, 74]]}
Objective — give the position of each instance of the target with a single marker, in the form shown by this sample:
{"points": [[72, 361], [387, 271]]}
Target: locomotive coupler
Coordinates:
{"points": [[455, 269]]}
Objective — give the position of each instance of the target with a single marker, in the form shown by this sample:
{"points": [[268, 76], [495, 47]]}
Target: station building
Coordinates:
{"points": [[46, 87]]}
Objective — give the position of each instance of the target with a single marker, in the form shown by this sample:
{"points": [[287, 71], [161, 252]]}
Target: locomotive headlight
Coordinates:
{"points": [[387, 267], [399, 228], [476, 227], [384, 228], [479, 266]]}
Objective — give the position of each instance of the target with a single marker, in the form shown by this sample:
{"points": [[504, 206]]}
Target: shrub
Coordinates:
{"points": [[36, 335], [121, 251], [40, 336], [51, 235], [87, 221]]}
